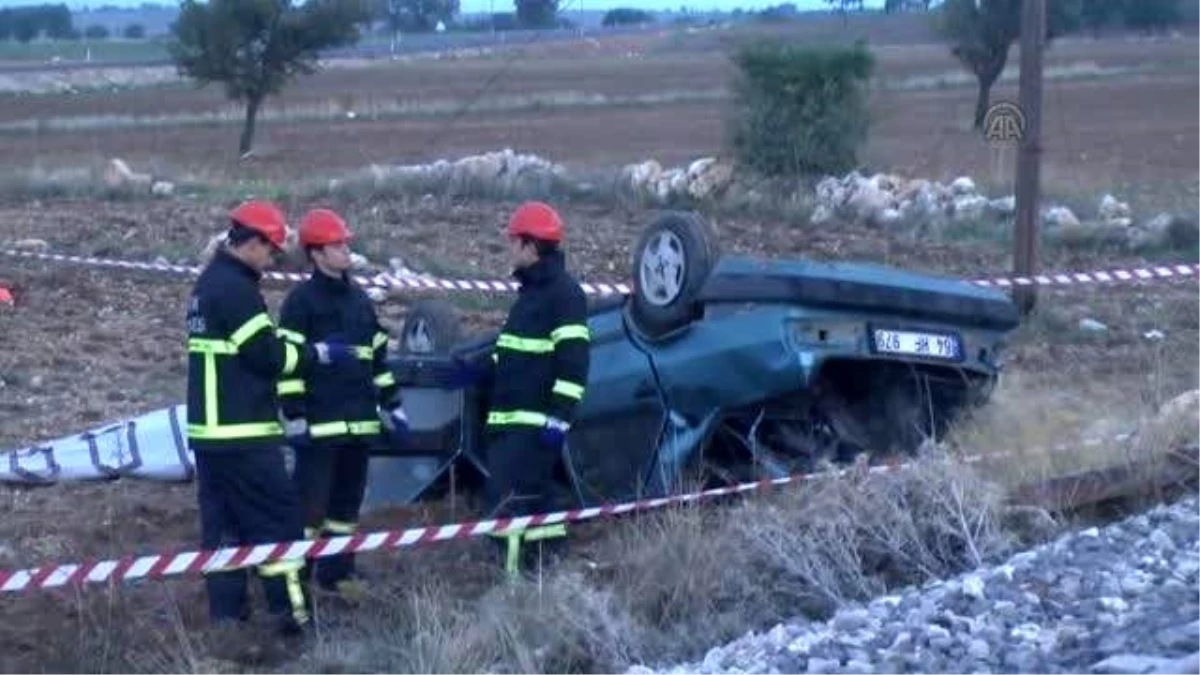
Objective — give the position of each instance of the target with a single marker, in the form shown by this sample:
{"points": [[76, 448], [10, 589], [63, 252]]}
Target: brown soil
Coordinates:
{"points": [[1131, 132], [83, 346]]}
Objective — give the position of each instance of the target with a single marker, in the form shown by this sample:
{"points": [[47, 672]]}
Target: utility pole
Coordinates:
{"points": [[1029, 160]]}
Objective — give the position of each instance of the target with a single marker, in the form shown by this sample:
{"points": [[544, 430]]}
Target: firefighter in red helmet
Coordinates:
{"points": [[333, 417], [234, 361], [537, 378]]}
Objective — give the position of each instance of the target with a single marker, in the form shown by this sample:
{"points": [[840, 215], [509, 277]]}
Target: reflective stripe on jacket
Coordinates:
{"points": [[337, 400], [542, 353], [234, 360]]}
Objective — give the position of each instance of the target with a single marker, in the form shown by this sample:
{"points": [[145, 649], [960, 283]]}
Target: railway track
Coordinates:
{"points": [[1113, 487]]}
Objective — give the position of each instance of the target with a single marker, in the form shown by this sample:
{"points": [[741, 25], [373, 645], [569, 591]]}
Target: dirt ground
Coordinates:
{"points": [[82, 347], [86, 346], [1131, 132]]}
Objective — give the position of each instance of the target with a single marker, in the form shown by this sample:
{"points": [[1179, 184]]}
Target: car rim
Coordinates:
{"points": [[416, 339], [660, 275]]}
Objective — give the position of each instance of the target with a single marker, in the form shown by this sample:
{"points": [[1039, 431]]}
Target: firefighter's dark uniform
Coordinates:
{"points": [[235, 359], [339, 405], [540, 370]]}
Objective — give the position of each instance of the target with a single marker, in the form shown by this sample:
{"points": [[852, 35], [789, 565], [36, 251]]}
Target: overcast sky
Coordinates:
{"points": [[506, 5]]}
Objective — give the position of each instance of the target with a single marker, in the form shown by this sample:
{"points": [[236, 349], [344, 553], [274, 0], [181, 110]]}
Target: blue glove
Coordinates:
{"points": [[554, 433], [464, 374], [395, 425], [295, 431], [333, 351]]}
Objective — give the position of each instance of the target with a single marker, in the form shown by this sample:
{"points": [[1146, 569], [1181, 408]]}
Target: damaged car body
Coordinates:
{"points": [[719, 369]]}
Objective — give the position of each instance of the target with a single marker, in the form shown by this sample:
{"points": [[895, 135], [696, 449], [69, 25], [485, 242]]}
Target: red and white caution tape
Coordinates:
{"points": [[389, 280], [381, 280], [167, 564], [1101, 277]]}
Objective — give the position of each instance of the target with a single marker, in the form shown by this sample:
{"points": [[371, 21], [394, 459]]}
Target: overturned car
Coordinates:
{"points": [[719, 368]]}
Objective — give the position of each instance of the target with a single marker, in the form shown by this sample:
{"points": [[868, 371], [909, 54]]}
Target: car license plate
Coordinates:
{"points": [[915, 343]]}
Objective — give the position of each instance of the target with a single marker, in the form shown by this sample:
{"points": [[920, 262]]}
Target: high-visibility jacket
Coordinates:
{"points": [[235, 359], [342, 400], [542, 354]]}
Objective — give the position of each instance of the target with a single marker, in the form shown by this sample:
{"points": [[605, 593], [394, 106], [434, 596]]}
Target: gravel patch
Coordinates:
{"points": [[1124, 598]]}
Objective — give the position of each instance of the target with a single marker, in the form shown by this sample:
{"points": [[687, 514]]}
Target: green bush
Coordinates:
{"points": [[800, 110]]}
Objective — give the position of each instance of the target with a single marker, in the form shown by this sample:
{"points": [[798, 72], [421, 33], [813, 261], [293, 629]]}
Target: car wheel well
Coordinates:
{"points": [[853, 407]]}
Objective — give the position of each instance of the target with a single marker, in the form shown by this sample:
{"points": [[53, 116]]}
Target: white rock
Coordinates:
{"points": [[1134, 663], [973, 587], [1005, 206], [969, 207], [34, 245], [118, 174], [642, 176], [708, 177], [1060, 216], [1111, 209], [1092, 326], [963, 185], [867, 202], [1026, 631], [162, 188], [1114, 604], [890, 217], [830, 193], [821, 214]]}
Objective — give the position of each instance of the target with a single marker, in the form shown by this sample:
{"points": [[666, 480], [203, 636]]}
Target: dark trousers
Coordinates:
{"points": [[246, 498], [331, 478], [521, 479]]}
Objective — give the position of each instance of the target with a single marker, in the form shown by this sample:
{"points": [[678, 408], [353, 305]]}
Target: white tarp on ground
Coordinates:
{"points": [[153, 446], [150, 446]]}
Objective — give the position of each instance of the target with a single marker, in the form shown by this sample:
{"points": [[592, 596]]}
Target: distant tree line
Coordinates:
{"points": [[1077, 14], [26, 23]]}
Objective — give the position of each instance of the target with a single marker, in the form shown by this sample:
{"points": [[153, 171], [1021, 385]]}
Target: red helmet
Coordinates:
{"points": [[262, 217], [323, 226], [536, 219]]}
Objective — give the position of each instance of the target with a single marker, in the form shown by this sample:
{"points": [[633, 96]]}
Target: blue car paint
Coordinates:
{"points": [[740, 353], [857, 272]]}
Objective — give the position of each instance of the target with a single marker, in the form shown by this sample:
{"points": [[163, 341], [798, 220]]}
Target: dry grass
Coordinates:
{"points": [[660, 587]]}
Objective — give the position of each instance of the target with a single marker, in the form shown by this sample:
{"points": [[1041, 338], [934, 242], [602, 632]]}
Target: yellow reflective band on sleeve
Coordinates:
{"points": [[571, 331], [285, 387], [380, 340], [568, 389], [340, 527], [385, 380], [291, 358], [206, 346], [291, 335], [225, 432], [524, 344], [357, 428], [523, 417], [364, 353], [210, 390], [249, 329]]}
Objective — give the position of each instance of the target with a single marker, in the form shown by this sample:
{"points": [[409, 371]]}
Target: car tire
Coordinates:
{"points": [[670, 264], [432, 327]]}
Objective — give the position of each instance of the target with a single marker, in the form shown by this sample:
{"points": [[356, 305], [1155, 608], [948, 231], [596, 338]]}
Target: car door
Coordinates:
{"points": [[612, 442]]}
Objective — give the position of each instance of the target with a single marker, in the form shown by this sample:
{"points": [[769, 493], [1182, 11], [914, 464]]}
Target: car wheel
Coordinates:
{"points": [[431, 327], [671, 262]]}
